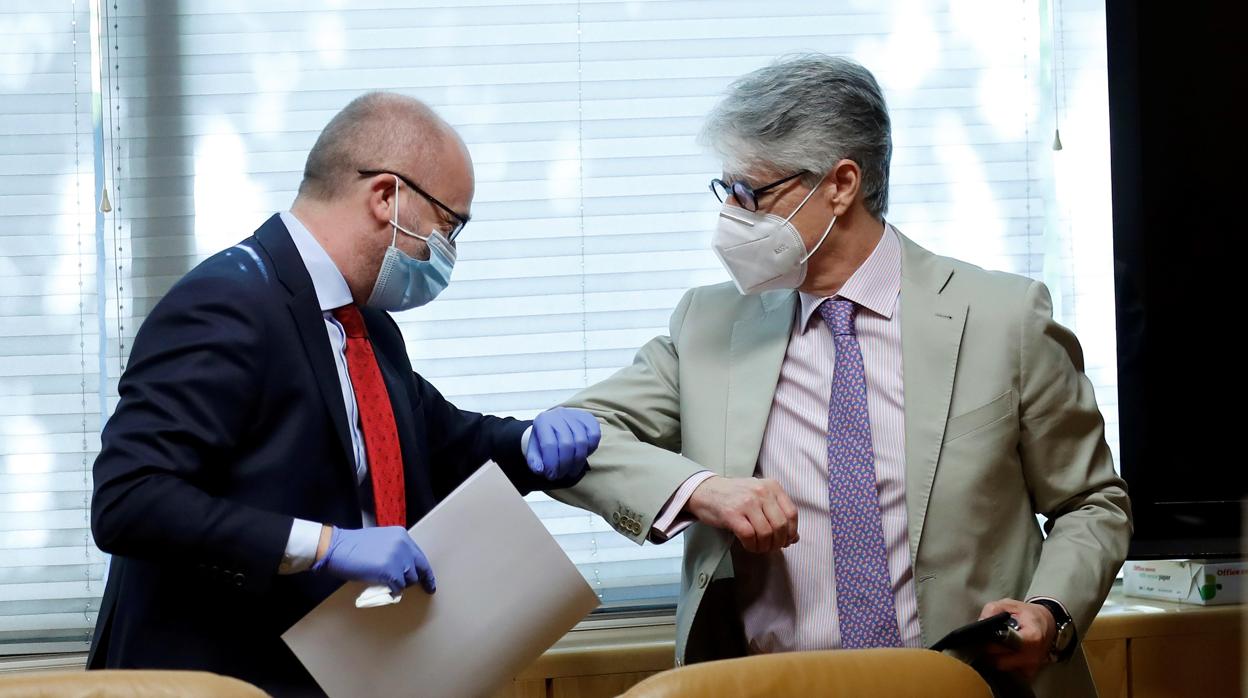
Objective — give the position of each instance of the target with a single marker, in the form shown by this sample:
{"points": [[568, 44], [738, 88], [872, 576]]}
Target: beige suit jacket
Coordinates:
{"points": [[1000, 420]]}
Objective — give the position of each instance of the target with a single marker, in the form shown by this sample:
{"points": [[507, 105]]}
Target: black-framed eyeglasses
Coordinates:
{"points": [[745, 195], [459, 220]]}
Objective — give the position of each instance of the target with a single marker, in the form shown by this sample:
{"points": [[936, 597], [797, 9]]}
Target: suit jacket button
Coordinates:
{"points": [[615, 517], [702, 580], [240, 579]]}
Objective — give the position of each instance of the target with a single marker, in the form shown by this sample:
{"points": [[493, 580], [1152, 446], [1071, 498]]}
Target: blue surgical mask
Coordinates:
{"points": [[404, 283]]}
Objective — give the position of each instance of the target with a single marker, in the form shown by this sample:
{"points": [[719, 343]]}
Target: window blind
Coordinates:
{"points": [[50, 413], [592, 214], [1079, 254]]}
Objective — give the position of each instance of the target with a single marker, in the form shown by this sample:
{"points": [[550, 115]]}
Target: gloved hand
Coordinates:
{"points": [[378, 556], [561, 441]]}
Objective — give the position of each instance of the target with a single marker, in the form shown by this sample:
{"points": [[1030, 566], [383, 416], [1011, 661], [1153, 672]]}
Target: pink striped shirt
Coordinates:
{"points": [[788, 598]]}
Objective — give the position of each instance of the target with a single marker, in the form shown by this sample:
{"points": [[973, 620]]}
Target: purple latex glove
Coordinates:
{"points": [[561, 442], [378, 556]]}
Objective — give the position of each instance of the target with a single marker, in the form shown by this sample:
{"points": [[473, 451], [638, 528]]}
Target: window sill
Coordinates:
{"points": [[43, 663], [609, 646], [596, 645]]}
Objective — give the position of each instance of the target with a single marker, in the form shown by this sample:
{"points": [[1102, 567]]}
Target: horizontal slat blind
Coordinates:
{"points": [[592, 215], [591, 218], [51, 574]]}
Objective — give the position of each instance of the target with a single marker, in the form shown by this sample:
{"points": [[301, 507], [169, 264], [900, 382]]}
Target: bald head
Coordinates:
{"points": [[378, 130], [420, 180]]}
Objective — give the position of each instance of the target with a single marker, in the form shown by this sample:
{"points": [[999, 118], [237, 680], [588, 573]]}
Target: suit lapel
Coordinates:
{"points": [[306, 311], [311, 324], [756, 353], [931, 335]]}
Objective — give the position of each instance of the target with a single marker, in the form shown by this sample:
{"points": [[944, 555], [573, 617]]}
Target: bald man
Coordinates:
{"points": [[272, 439]]}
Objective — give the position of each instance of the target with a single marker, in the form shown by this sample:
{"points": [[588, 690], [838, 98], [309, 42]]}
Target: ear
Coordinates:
{"points": [[841, 186], [381, 198]]}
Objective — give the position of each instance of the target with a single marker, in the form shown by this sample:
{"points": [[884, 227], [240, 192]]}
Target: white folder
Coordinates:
{"points": [[506, 592]]}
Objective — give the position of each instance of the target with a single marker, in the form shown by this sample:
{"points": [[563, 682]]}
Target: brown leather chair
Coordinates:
{"points": [[125, 684], [884, 673]]}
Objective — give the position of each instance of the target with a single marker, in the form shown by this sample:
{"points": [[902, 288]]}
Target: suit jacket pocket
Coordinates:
{"points": [[996, 410]]}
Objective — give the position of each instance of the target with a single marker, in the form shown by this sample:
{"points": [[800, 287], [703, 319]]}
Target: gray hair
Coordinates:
{"points": [[806, 113], [377, 130]]}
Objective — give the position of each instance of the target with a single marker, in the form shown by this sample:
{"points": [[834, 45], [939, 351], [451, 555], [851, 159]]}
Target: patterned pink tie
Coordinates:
{"points": [[864, 594]]}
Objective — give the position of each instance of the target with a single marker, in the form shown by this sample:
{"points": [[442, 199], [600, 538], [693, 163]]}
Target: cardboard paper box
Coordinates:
{"points": [[1187, 581]]}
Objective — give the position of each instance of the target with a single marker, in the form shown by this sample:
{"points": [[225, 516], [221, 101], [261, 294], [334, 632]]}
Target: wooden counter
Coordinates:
{"points": [[1137, 648]]}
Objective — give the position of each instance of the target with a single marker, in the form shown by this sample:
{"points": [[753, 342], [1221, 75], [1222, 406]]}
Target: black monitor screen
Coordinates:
{"points": [[1176, 76]]}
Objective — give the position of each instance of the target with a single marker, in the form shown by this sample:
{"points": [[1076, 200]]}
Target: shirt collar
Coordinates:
{"points": [[874, 285], [331, 287]]}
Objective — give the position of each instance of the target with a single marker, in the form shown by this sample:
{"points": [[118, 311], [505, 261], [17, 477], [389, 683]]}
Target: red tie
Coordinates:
{"points": [[381, 437]]}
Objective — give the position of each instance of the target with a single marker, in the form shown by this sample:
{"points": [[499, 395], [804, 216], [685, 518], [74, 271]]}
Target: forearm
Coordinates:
{"points": [[461, 441], [306, 545], [675, 516], [1068, 467], [628, 482], [160, 517], [1082, 554], [504, 442], [638, 465]]}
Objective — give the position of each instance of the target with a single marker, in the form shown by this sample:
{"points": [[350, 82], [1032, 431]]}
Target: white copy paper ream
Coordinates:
{"points": [[506, 593]]}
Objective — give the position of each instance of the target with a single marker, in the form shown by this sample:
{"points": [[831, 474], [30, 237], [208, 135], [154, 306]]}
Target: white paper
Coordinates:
{"points": [[506, 593], [380, 595]]}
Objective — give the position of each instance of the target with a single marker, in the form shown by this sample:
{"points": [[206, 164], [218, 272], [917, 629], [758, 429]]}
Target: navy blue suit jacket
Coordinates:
{"points": [[231, 423]]}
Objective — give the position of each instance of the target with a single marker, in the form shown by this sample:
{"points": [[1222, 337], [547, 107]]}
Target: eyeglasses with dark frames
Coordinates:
{"points": [[745, 195], [459, 220]]}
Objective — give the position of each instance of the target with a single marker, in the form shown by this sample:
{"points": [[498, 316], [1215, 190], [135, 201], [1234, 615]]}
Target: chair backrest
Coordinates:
{"points": [[127, 684], [880, 673]]}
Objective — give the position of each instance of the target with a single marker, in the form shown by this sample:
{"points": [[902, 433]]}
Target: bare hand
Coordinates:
{"points": [[757, 511], [1038, 630]]}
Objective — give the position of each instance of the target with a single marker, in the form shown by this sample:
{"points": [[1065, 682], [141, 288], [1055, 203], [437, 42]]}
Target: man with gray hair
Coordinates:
{"points": [[857, 434], [272, 439]]}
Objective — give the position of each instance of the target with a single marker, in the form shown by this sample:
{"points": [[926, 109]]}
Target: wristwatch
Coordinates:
{"points": [[1064, 641]]}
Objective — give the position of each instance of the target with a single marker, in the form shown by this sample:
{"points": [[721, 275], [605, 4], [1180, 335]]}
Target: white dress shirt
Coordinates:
{"points": [[331, 292]]}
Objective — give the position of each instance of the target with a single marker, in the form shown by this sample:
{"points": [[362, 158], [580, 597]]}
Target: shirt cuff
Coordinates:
{"points": [[1035, 598], [672, 518], [1050, 598], [524, 442], [300, 553]]}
